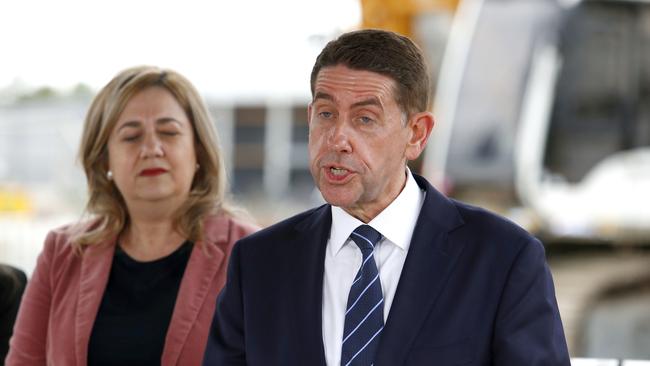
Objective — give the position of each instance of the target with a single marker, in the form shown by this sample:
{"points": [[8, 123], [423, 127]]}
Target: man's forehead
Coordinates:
{"points": [[353, 101], [339, 81], [341, 71]]}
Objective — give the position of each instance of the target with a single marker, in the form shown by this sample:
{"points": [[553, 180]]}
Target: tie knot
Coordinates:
{"points": [[365, 237]]}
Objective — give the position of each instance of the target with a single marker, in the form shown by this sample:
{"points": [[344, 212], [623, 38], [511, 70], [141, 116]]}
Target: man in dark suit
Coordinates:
{"points": [[389, 272]]}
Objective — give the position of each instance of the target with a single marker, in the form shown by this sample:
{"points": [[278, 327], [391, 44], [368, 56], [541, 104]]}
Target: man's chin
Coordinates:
{"points": [[338, 197]]}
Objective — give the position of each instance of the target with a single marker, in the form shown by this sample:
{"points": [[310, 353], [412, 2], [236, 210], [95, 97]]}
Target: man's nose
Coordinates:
{"points": [[339, 138]]}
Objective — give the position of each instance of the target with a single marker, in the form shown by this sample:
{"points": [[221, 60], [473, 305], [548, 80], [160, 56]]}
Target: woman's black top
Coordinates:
{"points": [[136, 309]]}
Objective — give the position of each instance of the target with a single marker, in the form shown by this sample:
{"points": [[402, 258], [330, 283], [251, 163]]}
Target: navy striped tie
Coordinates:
{"points": [[364, 316]]}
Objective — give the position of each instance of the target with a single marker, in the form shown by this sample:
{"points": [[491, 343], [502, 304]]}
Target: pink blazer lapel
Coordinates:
{"points": [[198, 281], [95, 268]]}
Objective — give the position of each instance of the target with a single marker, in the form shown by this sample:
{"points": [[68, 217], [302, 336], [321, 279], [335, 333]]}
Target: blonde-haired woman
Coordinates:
{"points": [[136, 284]]}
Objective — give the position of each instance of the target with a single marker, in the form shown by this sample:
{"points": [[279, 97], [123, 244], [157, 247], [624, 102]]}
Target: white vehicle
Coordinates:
{"points": [[543, 114]]}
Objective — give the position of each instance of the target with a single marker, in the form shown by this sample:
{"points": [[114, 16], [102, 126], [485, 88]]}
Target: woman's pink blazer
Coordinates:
{"points": [[62, 298]]}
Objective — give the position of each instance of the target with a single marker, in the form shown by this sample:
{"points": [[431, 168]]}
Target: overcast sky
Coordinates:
{"points": [[228, 49]]}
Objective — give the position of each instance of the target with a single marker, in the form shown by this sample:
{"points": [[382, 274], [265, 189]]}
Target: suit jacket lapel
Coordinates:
{"points": [[204, 263], [429, 262], [313, 234], [95, 268]]}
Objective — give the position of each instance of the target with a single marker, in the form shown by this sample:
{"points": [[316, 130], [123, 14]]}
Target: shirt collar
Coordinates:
{"points": [[396, 222]]}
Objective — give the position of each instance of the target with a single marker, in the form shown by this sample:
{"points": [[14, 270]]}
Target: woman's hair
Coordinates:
{"points": [[105, 203]]}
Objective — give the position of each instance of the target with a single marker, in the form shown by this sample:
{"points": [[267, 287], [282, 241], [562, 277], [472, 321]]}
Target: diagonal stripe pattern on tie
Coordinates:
{"points": [[364, 316]]}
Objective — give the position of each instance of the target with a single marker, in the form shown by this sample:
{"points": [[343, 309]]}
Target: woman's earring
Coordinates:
{"points": [[109, 175]]}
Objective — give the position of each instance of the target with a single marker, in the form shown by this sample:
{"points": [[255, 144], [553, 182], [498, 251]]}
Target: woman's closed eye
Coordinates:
{"points": [[131, 138]]}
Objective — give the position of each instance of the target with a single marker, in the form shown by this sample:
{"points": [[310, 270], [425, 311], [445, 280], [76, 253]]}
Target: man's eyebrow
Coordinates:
{"points": [[369, 101], [322, 95]]}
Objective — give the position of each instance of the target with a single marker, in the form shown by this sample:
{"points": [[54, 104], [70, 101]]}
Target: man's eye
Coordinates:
{"points": [[366, 120], [325, 114]]}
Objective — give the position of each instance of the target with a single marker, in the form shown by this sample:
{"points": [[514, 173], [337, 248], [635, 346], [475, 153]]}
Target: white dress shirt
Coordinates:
{"points": [[343, 259]]}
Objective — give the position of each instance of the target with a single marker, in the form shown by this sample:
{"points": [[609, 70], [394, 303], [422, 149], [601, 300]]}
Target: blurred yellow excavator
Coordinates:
{"points": [[399, 15]]}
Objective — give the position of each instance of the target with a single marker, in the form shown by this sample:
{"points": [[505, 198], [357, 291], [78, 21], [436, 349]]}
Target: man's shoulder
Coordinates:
{"points": [[483, 226], [480, 216], [289, 227], [461, 217]]}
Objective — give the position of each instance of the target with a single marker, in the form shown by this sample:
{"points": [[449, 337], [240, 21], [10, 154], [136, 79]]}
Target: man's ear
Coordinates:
{"points": [[309, 114], [420, 125]]}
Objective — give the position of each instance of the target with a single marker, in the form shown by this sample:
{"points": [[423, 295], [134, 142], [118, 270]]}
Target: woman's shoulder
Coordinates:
{"points": [[60, 239]]}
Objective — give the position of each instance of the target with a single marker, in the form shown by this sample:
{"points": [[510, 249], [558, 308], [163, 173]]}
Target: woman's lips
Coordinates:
{"points": [[152, 172]]}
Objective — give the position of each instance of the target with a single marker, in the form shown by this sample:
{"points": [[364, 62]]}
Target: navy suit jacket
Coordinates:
{"points": [[475, 290]]}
